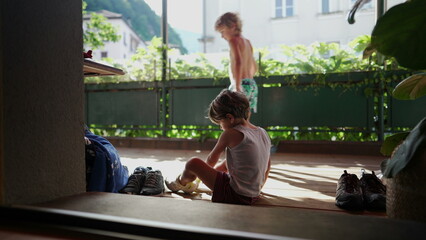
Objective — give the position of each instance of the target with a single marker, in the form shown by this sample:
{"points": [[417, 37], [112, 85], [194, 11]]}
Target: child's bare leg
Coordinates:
{"points": [[221, 167], [196, 167]]}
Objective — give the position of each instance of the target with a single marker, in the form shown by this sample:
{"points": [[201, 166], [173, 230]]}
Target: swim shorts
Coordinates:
{"points": [[251, 91]]}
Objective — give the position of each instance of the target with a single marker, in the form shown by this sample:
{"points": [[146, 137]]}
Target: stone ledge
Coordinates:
{"points": [[320, 147]]}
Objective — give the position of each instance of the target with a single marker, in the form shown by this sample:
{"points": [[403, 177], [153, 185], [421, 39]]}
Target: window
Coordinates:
{"points": [[330, 6], [284, 8], [325, 6], [368, 5], [124, 39], [104, 54], [134, 43]]}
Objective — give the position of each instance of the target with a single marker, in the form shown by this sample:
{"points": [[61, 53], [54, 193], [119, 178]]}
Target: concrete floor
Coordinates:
{"points": [[266, 222]]}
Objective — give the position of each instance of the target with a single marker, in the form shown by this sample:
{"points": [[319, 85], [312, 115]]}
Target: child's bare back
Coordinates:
{"points": [[242, 57]]}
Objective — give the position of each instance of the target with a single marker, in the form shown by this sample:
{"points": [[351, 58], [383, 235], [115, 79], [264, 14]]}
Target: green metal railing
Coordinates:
{"points": [[283, 105]]}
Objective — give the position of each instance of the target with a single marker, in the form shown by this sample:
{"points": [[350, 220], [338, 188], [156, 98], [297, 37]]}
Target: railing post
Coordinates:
{"points": [[379, 12], [164, 35], [260, 64]]}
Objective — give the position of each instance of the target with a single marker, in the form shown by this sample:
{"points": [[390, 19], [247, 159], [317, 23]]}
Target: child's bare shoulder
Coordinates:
{"points": [[232, 137], [231, 132]]}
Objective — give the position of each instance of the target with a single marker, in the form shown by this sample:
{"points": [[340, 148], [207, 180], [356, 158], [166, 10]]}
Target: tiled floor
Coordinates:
{"points": [[296, 180]]}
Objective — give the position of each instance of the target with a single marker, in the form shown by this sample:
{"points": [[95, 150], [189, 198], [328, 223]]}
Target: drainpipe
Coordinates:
{"points": [[164, 36], [204, 27], [380, 10]]}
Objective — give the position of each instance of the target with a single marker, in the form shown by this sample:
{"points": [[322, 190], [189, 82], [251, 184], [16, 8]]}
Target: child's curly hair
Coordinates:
{"points": [[234, 103], [229, 19]]}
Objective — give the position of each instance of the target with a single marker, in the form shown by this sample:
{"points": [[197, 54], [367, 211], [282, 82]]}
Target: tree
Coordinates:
{"points": [[144, 20], [98, 31]]}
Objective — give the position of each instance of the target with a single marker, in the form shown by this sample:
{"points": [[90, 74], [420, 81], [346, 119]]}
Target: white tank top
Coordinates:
{"points": [[247, 162]]}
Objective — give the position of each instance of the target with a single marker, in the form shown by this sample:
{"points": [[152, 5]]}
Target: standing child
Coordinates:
{"points": [[242, 64], [240, 177]]}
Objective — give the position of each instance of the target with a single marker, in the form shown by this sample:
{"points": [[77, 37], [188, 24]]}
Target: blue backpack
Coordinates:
{"points": [[104, 171]]}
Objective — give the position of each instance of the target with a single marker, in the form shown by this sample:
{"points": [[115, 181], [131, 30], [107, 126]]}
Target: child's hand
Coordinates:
{"points": [[87, 141]]}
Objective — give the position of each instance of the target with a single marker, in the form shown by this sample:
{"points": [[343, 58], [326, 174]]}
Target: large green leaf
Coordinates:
{"points": [[411, 88], [392, 142], [401, 33], [412, 145]]}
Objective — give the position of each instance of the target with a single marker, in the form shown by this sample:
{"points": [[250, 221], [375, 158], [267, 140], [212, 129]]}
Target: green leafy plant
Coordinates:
{"points": [[405, 152], [146, 64], [411, 88], [201, 68], [322, 59], [401, 33], [318, 58]]}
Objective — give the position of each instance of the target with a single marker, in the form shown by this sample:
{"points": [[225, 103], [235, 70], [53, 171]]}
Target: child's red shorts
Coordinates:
{"points": [[223, 192]]}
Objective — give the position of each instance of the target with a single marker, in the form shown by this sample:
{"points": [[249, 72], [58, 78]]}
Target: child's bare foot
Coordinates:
{"points": [[175, 186]]}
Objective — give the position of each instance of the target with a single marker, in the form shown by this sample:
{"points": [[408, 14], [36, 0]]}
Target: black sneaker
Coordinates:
{"points": [[374, 192], [154, 183], [136, 181], [348, 192], [141, 170]]}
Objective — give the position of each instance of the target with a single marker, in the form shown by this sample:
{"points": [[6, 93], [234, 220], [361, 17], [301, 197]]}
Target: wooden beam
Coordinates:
{"points": [[91, 68]]}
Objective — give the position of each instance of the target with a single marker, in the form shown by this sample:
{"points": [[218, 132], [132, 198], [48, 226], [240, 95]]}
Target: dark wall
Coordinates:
{"points": [[41, 105]]}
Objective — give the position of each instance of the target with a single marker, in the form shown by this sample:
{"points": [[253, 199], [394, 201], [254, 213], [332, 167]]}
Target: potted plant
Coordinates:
{"points": [[401, 33]]}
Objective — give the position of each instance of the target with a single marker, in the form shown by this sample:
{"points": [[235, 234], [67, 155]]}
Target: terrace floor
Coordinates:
{"points": [[297, 203], [296, 180]]}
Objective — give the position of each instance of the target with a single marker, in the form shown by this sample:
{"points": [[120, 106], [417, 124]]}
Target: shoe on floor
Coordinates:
{"points": [[374, 192], [154, 183], [348, 192], [175, 186], [135, 181], [141, 169]]}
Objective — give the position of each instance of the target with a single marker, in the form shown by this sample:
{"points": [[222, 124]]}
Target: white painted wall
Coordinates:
{"points": [[308, 25]]}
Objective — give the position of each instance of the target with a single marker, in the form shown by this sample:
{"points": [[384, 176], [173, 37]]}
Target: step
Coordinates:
{"points": [[213, 218]]}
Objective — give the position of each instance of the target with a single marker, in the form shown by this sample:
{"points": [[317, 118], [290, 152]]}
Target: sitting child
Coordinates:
{"points": [[240, 178]]}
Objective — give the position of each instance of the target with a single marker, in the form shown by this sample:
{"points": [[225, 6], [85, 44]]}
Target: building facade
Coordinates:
{"points": [[271, 23], [125, 47]]}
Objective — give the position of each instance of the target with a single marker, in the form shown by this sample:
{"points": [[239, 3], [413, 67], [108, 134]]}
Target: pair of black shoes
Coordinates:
{"points": [[145, 181], [357, 194]]}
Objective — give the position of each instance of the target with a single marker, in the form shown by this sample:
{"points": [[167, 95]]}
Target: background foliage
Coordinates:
{"points": [[98, 31], [318, 58], [321, 58], [143, 20]]}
